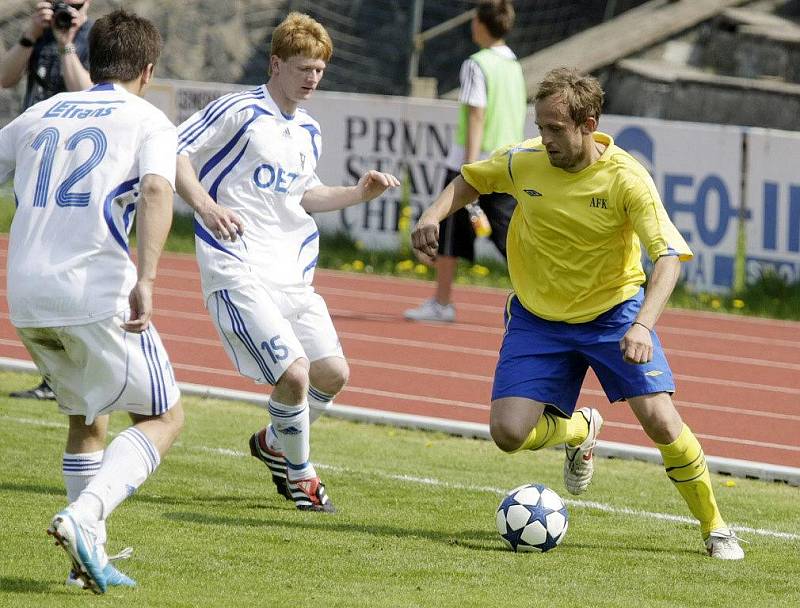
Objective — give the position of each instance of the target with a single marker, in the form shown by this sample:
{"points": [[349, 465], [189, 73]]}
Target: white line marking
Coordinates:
{"points": [[432, 481]]}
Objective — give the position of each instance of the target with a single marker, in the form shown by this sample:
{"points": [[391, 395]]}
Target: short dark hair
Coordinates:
{"points": [[497, 16], [582, 93], [121, 45]]}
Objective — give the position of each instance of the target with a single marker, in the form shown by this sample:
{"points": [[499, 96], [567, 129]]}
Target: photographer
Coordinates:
{"points": [[54, 49]]}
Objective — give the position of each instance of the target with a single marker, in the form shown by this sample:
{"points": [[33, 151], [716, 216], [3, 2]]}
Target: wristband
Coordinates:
{"points": [[67, 49], [26, 42], [642, 324]]}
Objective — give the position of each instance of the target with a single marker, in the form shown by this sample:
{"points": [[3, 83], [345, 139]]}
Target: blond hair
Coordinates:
{"points": [[300, 34], [582, 94]]}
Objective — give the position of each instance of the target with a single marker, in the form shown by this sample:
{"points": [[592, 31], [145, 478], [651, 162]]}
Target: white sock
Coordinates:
{"points": [[273, 442], [290, 425], [318, 403], [129, 460], [78, 470]]}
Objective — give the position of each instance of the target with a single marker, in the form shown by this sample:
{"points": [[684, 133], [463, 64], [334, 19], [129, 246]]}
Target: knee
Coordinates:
{"points": [[293, 383], [331, 376], [508, 437]]}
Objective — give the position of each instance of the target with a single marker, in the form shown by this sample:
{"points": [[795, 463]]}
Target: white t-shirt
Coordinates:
{"points": [[77, 160], [258, 162], [473, 93]]}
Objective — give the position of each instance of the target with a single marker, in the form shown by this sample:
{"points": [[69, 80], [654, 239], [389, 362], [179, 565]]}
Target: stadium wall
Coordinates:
{"points": [[715, 180]]}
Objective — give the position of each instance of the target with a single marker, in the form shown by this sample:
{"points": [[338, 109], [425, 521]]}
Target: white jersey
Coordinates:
{"points": [[77, 160], [258, 162]]}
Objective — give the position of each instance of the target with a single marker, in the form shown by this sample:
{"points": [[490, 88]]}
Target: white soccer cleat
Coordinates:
{"points": [[579, 461], [431, 310], [79, 540], [723, 543]]}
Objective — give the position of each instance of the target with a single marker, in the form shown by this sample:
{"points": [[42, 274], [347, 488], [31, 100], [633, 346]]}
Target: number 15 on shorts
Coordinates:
{"points": [[276, 349]]}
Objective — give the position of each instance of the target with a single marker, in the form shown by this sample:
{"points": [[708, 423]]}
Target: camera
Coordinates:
{"points": [[62, 16]]}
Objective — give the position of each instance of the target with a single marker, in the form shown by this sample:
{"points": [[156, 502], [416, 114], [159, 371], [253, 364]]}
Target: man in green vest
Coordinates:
{"points": [[493, 107]]}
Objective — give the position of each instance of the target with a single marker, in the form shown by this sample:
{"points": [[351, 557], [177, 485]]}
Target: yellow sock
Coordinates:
{"points": [[686, 467], [554, 430]]}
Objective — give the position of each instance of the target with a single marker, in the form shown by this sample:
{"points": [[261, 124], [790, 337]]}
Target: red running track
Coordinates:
{"points": [[737, 377]]}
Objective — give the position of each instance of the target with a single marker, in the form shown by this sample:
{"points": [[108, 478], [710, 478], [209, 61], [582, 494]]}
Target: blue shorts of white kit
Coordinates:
{"points": [[546, 361]]}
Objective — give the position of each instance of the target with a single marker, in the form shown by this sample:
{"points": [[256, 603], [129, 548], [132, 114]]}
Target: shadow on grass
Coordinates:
{"points": [[472, 539], [12, 584]]}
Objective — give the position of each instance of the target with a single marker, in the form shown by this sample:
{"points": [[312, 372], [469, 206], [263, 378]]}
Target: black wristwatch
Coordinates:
{"points": [[26, 42]]}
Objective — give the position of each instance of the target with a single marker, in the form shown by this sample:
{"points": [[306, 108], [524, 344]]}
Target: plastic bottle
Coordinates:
{"points": [[480, 223]]}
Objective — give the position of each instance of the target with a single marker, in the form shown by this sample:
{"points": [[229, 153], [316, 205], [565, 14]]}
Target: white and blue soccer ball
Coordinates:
{"points": [[532, 517]]}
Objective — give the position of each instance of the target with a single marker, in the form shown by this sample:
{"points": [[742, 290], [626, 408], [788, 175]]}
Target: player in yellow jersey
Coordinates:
{"points": [[585, 207]]}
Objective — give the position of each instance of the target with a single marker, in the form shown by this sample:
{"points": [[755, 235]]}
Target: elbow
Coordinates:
{"points": [[154, 188]]}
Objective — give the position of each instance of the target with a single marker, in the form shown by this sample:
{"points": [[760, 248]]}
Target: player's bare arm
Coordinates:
{"points": [[222, 222], [331, 198], [153, 219], [637, 343], [425, 236]]}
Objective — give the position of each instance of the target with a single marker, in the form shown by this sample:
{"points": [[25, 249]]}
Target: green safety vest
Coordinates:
{"points": [[506, 102]]}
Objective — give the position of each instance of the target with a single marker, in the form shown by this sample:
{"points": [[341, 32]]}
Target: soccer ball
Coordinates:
{"points": [[532, 517]]}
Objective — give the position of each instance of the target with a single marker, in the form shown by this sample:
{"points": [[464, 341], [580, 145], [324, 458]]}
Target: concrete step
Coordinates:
{"points": [[659, 89]]}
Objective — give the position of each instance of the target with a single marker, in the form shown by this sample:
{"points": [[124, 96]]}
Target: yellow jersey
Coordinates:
{"points": [[574, 241]]}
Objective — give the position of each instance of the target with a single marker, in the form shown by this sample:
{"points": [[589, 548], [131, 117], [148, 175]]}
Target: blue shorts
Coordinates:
{"points": [[547, 360]]}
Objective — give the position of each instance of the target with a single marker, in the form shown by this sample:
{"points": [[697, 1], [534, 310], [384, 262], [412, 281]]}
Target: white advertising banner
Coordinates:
{"points": [[696, 167], [773, 204]]}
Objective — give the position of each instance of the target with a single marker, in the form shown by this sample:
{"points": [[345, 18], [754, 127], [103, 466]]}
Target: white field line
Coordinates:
{"points": [[580, 504], [431, 481]]}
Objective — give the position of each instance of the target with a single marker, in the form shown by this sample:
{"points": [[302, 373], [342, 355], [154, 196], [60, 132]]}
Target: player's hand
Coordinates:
{"points": [[637, 345], [374, 183], [425, 240], [223, 223], [141, 303]]}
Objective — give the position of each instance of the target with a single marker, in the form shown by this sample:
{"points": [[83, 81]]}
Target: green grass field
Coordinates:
{"points": [[415, 525]]}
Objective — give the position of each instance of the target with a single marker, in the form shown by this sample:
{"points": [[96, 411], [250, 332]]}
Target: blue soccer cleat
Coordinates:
{"points": [[115, 578], [79, 541]]}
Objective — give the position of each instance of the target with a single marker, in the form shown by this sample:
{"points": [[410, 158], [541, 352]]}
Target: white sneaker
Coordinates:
{"points": [[578, 463], [431, 310], [79, 540], [723, 543]]}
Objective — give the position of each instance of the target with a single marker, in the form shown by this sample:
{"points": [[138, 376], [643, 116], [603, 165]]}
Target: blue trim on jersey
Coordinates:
{"points": [[205, 235], [215, 160], [240, 329], [309, 239], [212, 191], [212, 113], [310, 266], [513, 151], [121, 189], [103, 86], [16, 200], [126, 216], [312, 131]]}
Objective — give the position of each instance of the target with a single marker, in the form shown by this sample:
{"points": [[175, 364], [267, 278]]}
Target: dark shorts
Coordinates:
{"points": [[547, 360], [456, 236]]}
